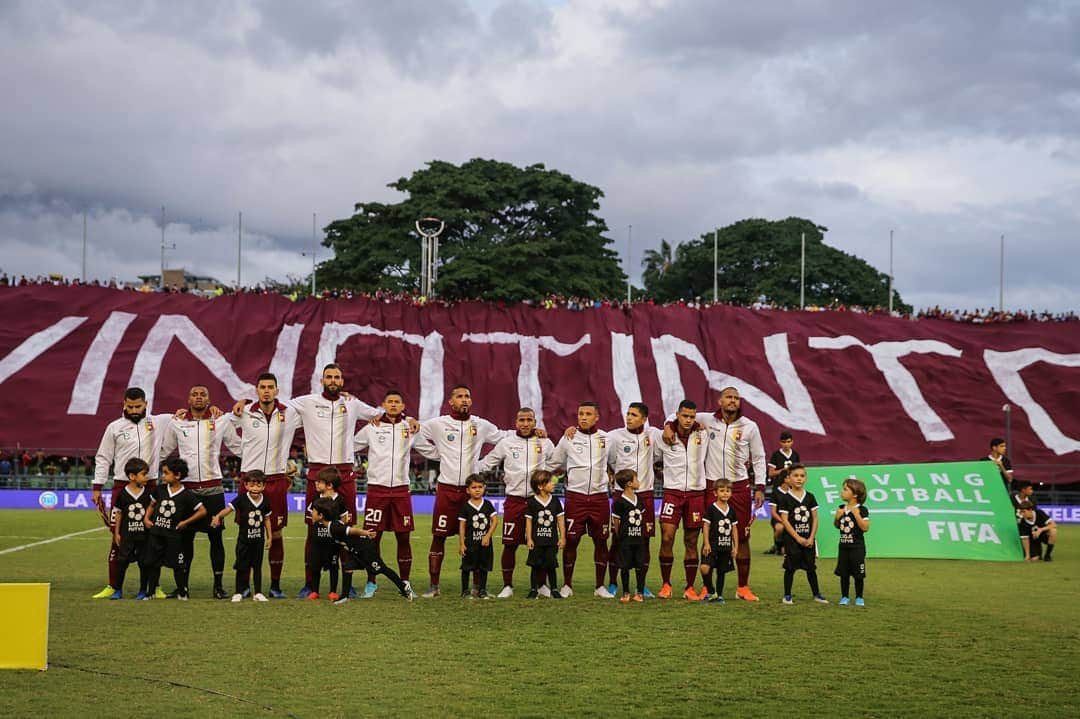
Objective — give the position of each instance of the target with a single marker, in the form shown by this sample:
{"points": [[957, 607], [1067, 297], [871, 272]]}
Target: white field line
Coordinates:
{"points": [[48, 541]]}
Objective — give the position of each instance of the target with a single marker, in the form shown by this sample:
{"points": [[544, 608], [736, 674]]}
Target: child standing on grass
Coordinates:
{"points": [[545, 533], [800, 517], [324, 550], [173, 508], [627, 518], [779, 464], [253, 538], [129, 532], [853, 521], [360, 552], [476, 525], [721, 541]]}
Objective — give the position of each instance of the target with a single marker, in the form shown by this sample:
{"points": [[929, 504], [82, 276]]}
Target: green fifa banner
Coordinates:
{"points": [[954, 510]]}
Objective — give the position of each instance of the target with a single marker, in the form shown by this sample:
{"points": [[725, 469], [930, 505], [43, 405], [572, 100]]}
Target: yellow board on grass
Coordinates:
{"points": [[24, 625]]}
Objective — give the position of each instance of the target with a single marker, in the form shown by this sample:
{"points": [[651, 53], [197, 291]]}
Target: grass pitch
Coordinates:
{"points": [[937, 638]]}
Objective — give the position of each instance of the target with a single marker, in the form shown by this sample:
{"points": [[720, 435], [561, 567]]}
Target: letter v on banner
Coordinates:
{"points": [[799, 413], [528, 379], [152, 353]]}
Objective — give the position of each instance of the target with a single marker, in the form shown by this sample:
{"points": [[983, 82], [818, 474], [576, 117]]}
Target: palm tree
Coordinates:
{"points": [[656, 263]]}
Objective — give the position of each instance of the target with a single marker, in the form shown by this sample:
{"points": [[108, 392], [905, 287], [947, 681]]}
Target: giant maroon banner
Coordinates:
{"points": [[854, 389]]}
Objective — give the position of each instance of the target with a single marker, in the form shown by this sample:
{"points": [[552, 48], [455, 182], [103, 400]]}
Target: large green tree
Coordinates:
{"points": [[759, 259], [511, 233]]}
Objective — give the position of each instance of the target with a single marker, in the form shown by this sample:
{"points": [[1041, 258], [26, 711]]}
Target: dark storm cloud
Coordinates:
{"points": [[950, 123]]}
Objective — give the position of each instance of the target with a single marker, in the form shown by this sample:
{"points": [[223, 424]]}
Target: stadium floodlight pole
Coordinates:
{"points": [[629, 250], [313, 248], [802, 275], [84, 247], [429, 252], [890, 270], [715, 266], [1007, 409], [161, 278], [1001, 277], [239, 244]]}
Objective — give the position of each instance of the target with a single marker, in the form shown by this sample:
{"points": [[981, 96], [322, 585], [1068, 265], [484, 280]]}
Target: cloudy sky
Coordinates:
{"points": [[950, 123]]}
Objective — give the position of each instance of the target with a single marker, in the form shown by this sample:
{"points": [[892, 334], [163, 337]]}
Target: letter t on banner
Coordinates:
{"points": [[528, 379]]}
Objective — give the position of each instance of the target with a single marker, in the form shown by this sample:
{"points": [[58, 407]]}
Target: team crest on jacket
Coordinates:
{"points": [[601, 443], [149, 425], [736, 435]]}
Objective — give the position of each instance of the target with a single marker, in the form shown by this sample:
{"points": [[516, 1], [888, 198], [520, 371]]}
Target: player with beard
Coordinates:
{"points": [[196, 435], [584, 457], [135, 435], [261, 438], [734, 443], [329, 421], [684, 498], [520, 454], [455, 441], [388, 504]]}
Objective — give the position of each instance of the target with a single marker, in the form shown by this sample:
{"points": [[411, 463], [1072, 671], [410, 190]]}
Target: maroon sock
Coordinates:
{"points": [[569, 558], [665, 567], [509, 561], [691, 568], [114, 567], [600, 559], [277, 559], [742, 565], [404, 558]]}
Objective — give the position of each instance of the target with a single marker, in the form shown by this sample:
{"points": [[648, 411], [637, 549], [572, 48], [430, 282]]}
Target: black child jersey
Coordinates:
{"points": [[1041, 520], [800, 512], [721, 527], [131, 510], [322, 531], [171, 509], [477, 521], [631, 519], [851, 536], [545, 520], [250, 517]]}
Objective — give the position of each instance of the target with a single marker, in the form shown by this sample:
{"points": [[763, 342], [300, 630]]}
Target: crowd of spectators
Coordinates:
{"points": [[556, 301]]}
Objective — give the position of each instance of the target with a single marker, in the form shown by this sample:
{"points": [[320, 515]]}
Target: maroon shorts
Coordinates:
{"points": [[587, 514], [277, 493], [513, 527], [388, 509], [742, 501], [685, 507], [649, 515], [347, 490], [448, 501]]}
